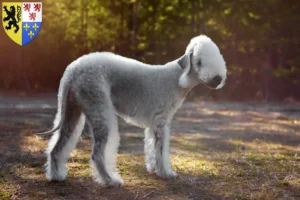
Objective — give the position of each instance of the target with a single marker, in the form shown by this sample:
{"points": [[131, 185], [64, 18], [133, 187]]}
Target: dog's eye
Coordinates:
{"points": [[199, 63]]}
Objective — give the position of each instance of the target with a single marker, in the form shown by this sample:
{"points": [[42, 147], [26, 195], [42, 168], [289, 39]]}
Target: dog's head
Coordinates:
{"points": [[202, 63]]}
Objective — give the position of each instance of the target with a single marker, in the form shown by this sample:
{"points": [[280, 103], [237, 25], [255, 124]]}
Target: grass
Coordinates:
{"points": [[239, 160]]}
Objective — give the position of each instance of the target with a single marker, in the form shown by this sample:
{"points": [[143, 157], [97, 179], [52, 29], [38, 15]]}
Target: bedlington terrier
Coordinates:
{"points": [[97, 87]]}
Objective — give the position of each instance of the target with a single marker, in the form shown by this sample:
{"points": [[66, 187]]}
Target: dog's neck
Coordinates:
{"points": [[191, 81]]}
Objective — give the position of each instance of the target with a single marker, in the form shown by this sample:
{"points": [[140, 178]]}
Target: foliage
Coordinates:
{"points": [[259, 40]]}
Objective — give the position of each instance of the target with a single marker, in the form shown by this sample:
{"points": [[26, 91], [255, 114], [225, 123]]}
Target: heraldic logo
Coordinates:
{"points": [[22, 21]]}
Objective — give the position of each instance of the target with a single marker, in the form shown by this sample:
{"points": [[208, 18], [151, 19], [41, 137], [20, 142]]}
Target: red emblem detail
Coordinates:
{"points": [[32, 16], [27, 7], [37, 7]]}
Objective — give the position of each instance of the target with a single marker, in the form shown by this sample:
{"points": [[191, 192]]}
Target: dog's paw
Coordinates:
{"points": [[167, 174], [55, 176], [150, 170], [114, 183], [56, 173], [172, 174]]}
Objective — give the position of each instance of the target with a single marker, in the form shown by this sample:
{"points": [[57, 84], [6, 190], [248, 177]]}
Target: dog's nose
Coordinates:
{"points": [[215, 81]]}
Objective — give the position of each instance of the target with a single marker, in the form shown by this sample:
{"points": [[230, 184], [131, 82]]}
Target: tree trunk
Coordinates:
{"points": [[193, 23], [22, 71], [84, 16], [154, 38], [134, 27]]}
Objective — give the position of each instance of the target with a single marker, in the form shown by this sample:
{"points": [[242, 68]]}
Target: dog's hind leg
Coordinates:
{"points": [[149, 149], [63, 141], [101, 117]]}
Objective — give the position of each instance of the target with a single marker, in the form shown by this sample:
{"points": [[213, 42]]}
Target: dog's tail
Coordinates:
{"points": [[62, 103]]}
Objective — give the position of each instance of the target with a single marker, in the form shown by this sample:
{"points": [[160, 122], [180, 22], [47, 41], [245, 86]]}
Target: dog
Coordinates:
{"points": [[98, 87]]}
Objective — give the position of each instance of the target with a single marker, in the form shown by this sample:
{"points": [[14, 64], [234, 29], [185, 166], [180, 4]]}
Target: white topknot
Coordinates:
{"points": [[200, 42]]}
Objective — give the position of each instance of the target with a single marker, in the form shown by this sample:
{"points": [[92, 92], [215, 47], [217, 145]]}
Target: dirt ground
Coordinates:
{"points": [[221, 150]]}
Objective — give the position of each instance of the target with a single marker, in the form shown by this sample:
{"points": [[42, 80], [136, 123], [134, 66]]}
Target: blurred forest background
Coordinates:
{"points": [[259, 40]]}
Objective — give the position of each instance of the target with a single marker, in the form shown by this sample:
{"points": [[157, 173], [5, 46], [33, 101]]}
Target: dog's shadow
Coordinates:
{"points": [[138, 183], [86, 188]]}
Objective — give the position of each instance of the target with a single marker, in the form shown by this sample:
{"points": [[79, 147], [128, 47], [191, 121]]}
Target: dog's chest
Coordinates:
{"points": [[144, 115]]}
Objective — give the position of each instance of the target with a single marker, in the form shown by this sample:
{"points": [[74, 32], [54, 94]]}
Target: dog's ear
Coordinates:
{"points": [[185, 63]]}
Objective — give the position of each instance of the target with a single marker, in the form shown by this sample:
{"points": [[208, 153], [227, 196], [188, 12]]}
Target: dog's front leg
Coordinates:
{"points": [[157, 142]]}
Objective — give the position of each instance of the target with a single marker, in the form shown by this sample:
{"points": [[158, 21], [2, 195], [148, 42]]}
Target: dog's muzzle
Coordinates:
{"points": [[214, 82]]}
